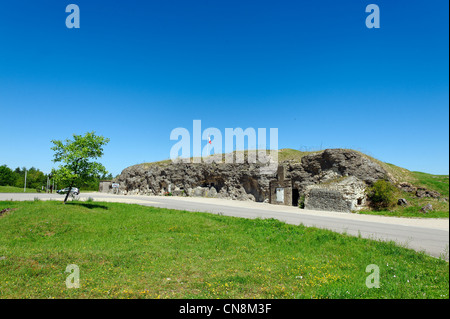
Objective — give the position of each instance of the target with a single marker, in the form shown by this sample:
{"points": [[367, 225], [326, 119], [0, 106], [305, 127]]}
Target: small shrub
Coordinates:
{"points": [[89, 200], [381, 195], [301, 202]]}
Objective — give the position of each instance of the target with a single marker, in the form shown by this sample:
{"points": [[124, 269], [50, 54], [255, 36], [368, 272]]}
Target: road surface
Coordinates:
{"points": [[430, 235]]}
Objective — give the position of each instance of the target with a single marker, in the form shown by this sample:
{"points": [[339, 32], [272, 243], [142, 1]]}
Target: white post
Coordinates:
{"points": [[25, 184]]}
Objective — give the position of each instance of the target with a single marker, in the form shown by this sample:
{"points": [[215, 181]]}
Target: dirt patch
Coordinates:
{"points": [[6, 210]]}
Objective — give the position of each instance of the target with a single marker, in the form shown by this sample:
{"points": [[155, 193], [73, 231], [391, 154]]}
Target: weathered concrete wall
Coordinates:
{"points": [[105, 186], [327, 199], [351, 188]]}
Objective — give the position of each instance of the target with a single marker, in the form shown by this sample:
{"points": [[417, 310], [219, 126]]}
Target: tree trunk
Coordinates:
{"points": [[68, 193], [71, 184]]}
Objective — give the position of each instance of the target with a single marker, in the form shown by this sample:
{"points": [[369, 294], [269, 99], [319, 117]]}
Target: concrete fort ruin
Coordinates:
{"points": [[333, 179]]}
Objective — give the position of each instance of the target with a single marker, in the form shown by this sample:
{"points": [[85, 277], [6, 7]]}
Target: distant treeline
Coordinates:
{"points": [[36, 179]]}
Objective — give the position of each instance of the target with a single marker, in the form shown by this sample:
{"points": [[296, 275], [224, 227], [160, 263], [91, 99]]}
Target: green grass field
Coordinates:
{"points": [[12, 189], [131, 251]]}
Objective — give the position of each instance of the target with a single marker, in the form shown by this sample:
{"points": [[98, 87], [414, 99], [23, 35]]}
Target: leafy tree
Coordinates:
{"points": [[77, 157], [19, 174], [35, 178], [7, 177]]}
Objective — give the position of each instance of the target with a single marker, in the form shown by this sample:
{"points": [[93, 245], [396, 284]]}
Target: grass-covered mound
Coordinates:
{"points": [[437, 183]]}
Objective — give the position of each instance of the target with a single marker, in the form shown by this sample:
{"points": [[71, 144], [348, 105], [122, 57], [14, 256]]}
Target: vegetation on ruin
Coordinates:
{"points": [[439, 183]]}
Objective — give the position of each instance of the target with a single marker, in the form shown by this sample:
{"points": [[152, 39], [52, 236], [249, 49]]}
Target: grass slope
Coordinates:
{"points": [[12, 189], [131, 251], [438, 183]]}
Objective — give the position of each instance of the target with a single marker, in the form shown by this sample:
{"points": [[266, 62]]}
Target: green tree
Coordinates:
{"points": [[19, 176], [35, 178], [7, 177], [77, 157]]}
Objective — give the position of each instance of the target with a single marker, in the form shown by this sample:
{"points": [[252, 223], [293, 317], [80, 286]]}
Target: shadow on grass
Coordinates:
{"points": [[87, 205]]}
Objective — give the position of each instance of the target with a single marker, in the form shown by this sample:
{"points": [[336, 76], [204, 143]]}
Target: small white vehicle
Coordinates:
{"points": [[73, 191]]}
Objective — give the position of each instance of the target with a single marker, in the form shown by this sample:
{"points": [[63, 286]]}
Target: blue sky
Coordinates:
{"points": [[136, 70]]}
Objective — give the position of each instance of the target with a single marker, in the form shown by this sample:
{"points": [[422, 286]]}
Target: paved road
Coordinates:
{"points": [[429, 235]]}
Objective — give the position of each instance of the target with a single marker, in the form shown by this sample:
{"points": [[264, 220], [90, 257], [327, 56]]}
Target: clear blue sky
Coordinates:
{"points": [[135, 70]]}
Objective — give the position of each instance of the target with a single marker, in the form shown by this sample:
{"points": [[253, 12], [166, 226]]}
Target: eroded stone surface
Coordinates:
{"points": [[345, 171]]}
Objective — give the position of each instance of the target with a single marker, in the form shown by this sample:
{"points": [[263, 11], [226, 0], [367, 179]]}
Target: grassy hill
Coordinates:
{"points": [[434, 182], [438, 183]]}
